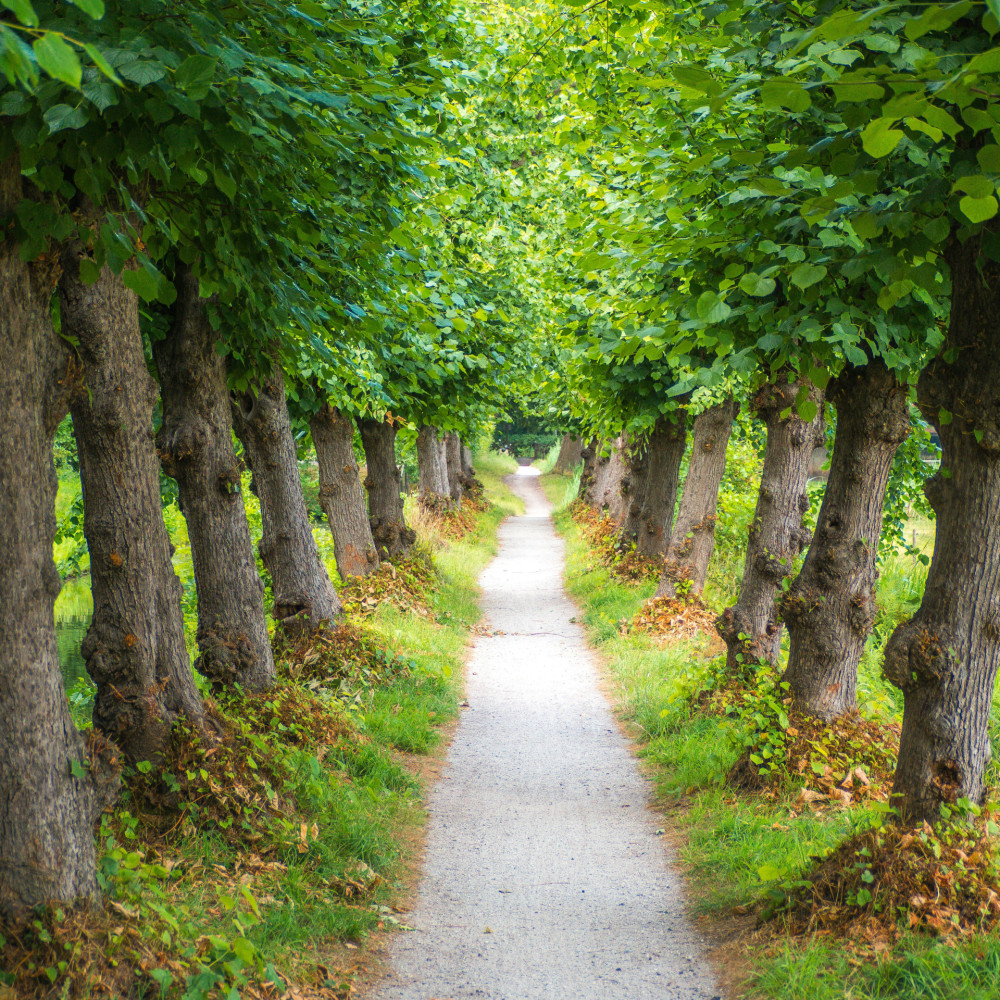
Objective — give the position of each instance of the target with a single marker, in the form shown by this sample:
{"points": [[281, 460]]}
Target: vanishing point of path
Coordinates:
{"points": [[544, 876]]}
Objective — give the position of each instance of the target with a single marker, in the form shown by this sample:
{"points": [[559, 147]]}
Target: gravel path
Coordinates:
{"points": [[544, 876]]}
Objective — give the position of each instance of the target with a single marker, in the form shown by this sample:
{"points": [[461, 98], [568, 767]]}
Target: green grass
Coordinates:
{"points": [[737, 848]]}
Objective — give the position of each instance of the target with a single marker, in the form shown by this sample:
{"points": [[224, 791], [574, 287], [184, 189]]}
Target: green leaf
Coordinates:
{"points": [[711, 308], [58, 59], [978, 209], [143, 283], [143, 71], [879, 138], [784, 94], [807, 410], [806, 275], [937, 229], [95, 8], [768, 873], [62, 116], [756, 285], [101, 63], [194, 76], [23, 11]]}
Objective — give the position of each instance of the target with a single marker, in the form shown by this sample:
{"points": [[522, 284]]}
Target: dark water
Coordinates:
{"points": [[73, 610]]}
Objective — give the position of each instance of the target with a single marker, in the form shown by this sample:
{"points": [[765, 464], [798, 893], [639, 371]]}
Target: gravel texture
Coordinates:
{"points": [[544, 875]]}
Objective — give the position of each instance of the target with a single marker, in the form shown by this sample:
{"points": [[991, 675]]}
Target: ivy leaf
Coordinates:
{"points": [[806, 275], [756, 285], [978, 209], [58, 59], [879, 138]]}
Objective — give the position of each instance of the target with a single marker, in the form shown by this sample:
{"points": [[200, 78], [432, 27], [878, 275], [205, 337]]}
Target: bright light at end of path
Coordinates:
{"points": [[528, 470]]}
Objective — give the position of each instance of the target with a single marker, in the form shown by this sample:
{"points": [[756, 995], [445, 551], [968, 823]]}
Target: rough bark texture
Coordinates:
{"points": [[591, 454], [607, 490], [46, 814], [196, 448], [341, 494], [135, 649], [393, 539], [776, 536], [633, 486], [945, 658], [304, 598], [666, 451], [830, 608], [453, 457], [692, 540], [570, 454], [468, 472], [432, 473]]}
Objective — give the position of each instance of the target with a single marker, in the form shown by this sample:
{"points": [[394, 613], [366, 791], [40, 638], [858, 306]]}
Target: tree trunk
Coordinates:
{"points": [[945, 658], [432, 474], [46, 814], [776, 536], [468, 472], [341, 494], [666, 451], [693, 538], [830, 608], [633, 486], [135, 648], [196, 448], [453, 453], [609, 487], [303, 594], [570, 454], [591, 454], [393, 539]]}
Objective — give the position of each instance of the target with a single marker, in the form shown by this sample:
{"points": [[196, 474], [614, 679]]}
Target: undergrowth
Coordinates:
{"points": [[784, 820]]}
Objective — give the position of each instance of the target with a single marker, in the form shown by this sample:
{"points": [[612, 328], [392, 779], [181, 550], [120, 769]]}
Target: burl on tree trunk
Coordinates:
{"points": [[432, 473], [341, 495], [196, 448], [830, 608], [393, 539], [666, 451], [634, 483], [693, 538], [304, 598], [945, 658], [751, 628], [135, 649], [46, 812]]}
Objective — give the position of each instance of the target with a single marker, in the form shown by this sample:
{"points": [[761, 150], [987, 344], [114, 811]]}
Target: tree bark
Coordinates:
{"points": [[945, 658], [196, 448], [777, 535], [46, 814], [591, 454], [692, 540], [633, 486], [304, 598], [611, 474], [570, 454], [135, 650], [666, 451], [432, 474], [453, 454], [341, 494], [830, 608], [393, 539], [468, 472]]}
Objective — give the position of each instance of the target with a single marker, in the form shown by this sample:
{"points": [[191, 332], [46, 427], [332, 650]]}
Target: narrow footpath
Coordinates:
{"points": [[544, 876]]}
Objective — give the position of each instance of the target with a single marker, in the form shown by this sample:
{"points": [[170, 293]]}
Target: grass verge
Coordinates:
{"points": [[743, 850]]}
